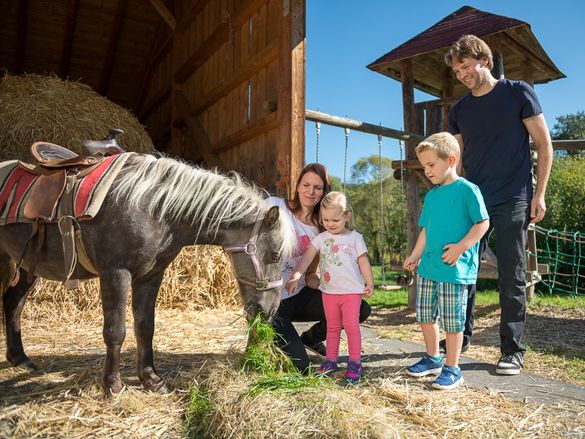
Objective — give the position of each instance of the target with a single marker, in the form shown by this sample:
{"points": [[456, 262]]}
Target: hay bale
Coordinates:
{"points": [[199, 277], [37, 107]]}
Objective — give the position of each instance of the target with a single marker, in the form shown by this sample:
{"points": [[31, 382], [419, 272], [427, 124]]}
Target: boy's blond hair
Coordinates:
{"points": [[338, 200], [443, 143], [469, 46]]}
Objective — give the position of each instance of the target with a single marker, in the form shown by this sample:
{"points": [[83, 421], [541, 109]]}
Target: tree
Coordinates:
{"points": [[372, 210], [565, 196], [570, 127]]}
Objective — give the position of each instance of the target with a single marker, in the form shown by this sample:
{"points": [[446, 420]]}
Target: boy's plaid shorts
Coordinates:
{"points": [[441, 299]]}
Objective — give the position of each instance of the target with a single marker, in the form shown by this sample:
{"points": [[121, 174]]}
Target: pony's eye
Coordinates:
{"points": [[275, 257]]}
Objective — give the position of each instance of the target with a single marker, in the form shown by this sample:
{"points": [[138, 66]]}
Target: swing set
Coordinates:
{"points": [[405, 279]]}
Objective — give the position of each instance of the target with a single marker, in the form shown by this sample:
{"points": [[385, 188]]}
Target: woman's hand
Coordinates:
{"points": [[312, 280]]}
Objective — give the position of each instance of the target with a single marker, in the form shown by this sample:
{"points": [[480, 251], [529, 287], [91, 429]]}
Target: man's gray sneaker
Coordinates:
{"points": [[510, 364]]}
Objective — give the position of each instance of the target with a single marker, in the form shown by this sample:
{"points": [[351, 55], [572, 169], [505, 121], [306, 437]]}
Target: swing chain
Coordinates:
{"points": [[403, 198], [381, 180], [406, 279], [346, 131], [318, 133]]}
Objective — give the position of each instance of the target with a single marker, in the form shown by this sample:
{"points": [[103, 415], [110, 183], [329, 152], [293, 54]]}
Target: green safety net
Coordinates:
{"points": [[564, 254]]}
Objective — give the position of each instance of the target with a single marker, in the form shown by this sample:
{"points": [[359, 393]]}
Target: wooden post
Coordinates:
{"points": [[527, 71], [290, 150], [411, 182], [177, 143], [498, 70]]}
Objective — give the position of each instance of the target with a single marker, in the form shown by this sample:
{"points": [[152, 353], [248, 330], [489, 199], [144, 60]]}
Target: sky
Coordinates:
{"points": [[344, 36]]}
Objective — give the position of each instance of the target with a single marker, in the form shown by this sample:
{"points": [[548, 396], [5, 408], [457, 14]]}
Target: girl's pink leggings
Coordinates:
{"points": [[343, 311]]}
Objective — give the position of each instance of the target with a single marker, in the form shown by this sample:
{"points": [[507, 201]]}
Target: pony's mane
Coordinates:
{"points": [[176, 191]]}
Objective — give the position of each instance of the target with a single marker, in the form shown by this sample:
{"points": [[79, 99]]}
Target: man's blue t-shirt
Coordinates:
{"points": [[449, 212], [496, 153]]}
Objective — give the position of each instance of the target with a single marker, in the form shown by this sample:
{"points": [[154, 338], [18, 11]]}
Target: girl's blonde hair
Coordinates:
{"points": [[338, 200]]}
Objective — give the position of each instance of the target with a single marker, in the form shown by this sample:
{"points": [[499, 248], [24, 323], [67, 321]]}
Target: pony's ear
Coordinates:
{"points": [[271, 217]]}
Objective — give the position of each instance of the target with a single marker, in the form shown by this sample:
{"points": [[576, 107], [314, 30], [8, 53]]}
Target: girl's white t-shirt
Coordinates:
{"points": [[338, 266], [305, 234]]}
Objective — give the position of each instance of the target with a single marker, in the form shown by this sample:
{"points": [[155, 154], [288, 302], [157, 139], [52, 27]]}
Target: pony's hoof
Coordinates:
{"points": [[114, 392], [27, 365], [158, 387]]}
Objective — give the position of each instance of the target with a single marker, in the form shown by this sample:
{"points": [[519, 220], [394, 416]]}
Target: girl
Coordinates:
{"points": [[343, 265]]}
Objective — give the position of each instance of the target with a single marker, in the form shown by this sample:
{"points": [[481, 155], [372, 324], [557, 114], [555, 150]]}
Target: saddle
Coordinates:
{"points": [[52, 195], [55, 165]]}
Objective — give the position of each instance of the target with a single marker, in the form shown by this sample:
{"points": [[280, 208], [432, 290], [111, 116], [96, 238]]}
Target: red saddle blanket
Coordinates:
{"points": [[90, 191]]}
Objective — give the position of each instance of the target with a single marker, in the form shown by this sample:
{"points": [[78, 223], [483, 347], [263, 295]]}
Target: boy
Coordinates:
{"points": [[453, 220]]}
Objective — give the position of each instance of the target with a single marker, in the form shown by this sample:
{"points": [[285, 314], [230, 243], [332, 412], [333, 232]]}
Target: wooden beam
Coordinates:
{"points": [[262, 59], [149, 68], [196, 131], [155, 103], [112, 47], [407, 164], [357, 125], [21, 25], [568, 145], [290, 151], [215, 40], [190, 16], [165, 13], [258, 127], [71, 20]]}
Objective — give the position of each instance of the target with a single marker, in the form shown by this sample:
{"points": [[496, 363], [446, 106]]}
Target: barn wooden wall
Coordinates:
{"points": [[230, 89]]}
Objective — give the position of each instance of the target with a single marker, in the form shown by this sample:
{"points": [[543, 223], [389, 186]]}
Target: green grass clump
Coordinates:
{"points": [[262, 353], [288, 383], [199, 411], [276, 370]]}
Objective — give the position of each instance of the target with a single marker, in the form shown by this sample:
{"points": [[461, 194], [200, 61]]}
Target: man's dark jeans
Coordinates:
{"points": [[509, 221], [305, 306]]}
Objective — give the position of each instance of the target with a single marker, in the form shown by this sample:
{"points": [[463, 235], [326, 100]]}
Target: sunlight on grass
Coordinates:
{"points": [[486, 295]]}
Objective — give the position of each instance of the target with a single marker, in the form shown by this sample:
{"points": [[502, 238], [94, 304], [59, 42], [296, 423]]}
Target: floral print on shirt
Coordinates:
{"points": [[328, 257]]}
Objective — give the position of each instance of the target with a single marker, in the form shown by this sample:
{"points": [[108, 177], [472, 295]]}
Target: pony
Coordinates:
{"points": [[155, 207]]}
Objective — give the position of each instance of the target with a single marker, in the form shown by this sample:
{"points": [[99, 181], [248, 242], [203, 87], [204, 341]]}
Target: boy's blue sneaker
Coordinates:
{"points": [[354, 372], [426, 366], [450, 378], [328, 367]]}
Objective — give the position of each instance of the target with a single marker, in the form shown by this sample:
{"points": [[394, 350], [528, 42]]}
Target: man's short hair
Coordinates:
{"points": [[469, 46], [443, 143]]}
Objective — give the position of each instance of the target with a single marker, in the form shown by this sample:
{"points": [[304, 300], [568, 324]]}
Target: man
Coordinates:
{"points": [[492, 124]]}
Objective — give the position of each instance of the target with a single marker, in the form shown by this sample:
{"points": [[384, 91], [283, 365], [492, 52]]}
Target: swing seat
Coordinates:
{"points": [[390, 287]]}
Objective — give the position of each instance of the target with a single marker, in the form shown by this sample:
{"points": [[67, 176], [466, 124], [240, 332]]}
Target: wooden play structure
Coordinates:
{"points": [[216, 82], [419, 63]]}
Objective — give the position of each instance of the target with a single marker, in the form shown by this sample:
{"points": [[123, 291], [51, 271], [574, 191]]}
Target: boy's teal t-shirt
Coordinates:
{"points": [[448, 214]]}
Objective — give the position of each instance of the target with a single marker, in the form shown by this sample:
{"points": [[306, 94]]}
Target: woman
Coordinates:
{"points": [[305, 305]]}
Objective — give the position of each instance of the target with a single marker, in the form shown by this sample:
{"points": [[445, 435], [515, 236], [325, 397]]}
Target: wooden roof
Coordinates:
{"points": [[108, 44], [521, 52]]}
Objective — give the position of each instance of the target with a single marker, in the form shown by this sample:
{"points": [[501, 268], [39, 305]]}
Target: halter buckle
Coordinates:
{"points": [[251, 248]]}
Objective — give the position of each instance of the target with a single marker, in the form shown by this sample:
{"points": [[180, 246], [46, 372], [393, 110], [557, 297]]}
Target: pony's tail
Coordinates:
{"points": [[7, 277]]}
